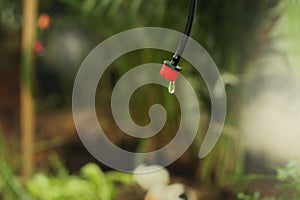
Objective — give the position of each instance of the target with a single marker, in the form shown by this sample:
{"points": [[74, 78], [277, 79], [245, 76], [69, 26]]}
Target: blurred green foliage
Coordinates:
{"points": [[243, 196], [288, 177], [10, 187], [10, 15], [91, 183]]}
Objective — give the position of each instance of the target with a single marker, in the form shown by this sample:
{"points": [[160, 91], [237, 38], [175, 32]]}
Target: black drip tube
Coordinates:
{"points": [[187, 32]]}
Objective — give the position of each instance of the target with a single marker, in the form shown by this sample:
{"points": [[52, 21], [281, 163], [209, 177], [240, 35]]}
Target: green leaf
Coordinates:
{"points": [[94, 174], [76, 188], [121, 177], [11, 182], [39, 185], [289, 171]]}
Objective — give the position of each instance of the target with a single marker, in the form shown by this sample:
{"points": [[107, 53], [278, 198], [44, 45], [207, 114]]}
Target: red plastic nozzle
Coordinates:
{"points": [[169, 72]]}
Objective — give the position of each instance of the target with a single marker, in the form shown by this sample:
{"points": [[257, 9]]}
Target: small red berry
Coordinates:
{"points": [[38, 47]]}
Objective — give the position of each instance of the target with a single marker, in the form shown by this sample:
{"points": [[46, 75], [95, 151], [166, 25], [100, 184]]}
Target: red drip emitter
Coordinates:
{"points": [[169, 71]]}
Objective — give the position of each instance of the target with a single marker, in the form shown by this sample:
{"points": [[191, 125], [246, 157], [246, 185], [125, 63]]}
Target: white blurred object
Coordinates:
{"points": [[270, 115], [174, 191], [149, 176], [155, 180]]}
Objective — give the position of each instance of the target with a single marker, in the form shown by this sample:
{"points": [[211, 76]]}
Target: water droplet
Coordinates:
{"points": [[172, 87]]}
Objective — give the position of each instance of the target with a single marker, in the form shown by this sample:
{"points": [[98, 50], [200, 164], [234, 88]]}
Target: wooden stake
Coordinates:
{"points": [[27, 105]]}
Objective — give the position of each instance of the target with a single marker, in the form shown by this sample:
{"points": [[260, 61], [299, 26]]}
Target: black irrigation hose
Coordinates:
{"points": [[187, 32]]}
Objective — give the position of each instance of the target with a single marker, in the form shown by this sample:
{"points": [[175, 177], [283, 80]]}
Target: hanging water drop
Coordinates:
{"points": [[172, 87]]}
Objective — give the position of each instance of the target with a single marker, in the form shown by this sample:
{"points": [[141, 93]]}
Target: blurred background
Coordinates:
{"points": [[255, 45]]}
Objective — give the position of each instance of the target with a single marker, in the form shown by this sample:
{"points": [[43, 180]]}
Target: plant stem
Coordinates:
{"points": [[27, 108]]}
